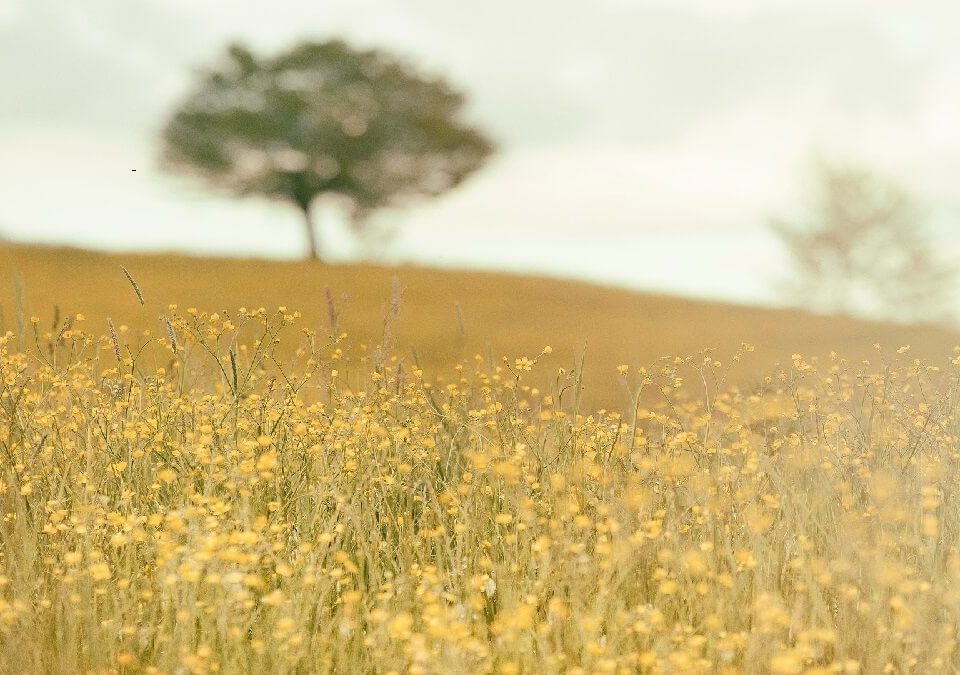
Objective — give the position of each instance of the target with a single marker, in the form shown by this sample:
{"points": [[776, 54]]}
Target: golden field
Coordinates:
{"points": [[247, 490], [499, 315]]}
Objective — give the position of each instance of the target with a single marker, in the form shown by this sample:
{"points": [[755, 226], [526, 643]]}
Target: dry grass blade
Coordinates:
{"points": [[171, 334], [114, 340], [133, 284]]}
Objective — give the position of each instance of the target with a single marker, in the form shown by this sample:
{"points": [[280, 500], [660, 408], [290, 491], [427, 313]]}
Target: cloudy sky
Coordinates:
{"points": [[643, 142]]}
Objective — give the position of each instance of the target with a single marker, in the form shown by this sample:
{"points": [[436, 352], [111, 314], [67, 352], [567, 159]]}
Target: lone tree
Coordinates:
{"points": [[324, 119], [862, 249]]}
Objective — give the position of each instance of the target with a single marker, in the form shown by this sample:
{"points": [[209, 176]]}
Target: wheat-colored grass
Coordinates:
{"points": [[447, 316], [200, 505]]}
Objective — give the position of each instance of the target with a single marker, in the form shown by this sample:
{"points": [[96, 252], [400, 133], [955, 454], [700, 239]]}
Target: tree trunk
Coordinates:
{"points": [[314, 250]]}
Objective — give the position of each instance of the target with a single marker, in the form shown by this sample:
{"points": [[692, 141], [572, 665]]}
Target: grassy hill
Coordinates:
{"points": [[446, 316], [323, 516]]}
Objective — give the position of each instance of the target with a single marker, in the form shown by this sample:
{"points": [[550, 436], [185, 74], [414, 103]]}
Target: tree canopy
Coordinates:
{"points": [[324, 119]]}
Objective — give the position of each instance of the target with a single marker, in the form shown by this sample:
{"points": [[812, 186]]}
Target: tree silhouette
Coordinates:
{"points": [[862, 250], [324, 119]]}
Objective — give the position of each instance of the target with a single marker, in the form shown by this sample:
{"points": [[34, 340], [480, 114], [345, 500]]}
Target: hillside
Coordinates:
{"points": [[502, 315]]}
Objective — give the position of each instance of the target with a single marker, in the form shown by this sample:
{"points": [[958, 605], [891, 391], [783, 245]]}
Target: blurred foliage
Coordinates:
{"points": [[862, 249], [324, 119]]}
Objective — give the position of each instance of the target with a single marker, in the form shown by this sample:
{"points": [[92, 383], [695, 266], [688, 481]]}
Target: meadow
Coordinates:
{"points": [[447, 315], [251, 489]]}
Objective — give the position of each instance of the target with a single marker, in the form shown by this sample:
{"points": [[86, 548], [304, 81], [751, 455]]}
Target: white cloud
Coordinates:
{"points": [[10, 10]]}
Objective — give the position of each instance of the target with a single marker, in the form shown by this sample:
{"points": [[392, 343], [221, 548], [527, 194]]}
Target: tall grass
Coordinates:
{"points": [[185, 502], [448, 315]]}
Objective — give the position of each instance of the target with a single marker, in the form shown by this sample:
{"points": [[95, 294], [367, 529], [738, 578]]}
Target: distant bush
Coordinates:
{"points": [[862, 248]]}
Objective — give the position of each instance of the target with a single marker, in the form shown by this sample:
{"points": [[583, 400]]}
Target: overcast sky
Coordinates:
{"points": [[644, 143]]}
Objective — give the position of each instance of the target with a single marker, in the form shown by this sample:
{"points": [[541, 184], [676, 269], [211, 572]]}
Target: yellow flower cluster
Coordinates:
{"points": [[187, 503]]}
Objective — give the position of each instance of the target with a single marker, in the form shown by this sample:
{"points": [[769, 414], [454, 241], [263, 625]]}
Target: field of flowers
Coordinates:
{"points": [[184, 501], [447, 315]]}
